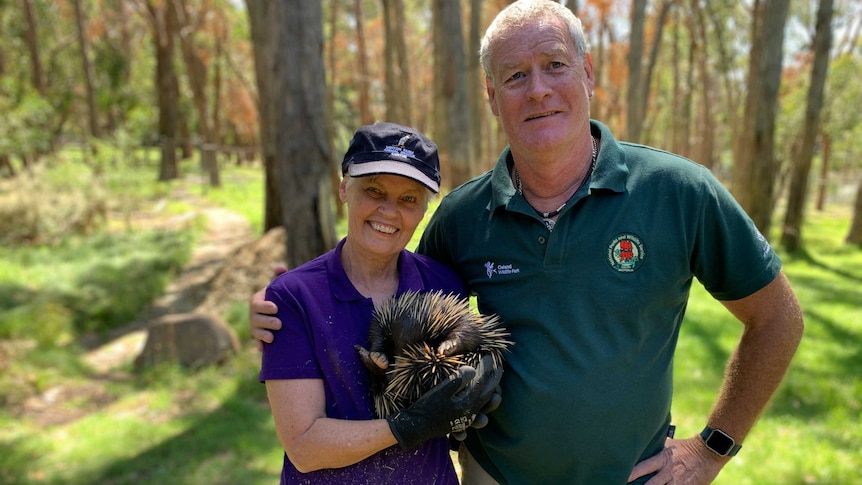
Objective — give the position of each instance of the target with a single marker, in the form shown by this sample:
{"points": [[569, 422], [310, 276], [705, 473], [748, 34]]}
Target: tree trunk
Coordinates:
{"points": [[755, 170], [597, 102], [687, 111], [37, 74], [452, 120], [6, 167], [5, 161], [364, 81], [185, 140], [87, 68], [397, 73], [479, 154], [265, 41], [726, 69], [823, 183], [196, 71], [335, 165], [703, 150], [655, 48], [168, 91], [854, 236], [678, 89], [791, 235], [286, 35], [636, 92], [219, 34], [572, 4]]}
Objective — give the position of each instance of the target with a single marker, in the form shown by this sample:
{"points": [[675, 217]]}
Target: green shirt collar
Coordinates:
{"points": [[610, 173]]}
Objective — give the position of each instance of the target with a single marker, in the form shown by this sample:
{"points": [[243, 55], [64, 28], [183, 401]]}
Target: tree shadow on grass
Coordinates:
{"points": [[710, 352], [816, 388], [811, 259], [217, 448]]}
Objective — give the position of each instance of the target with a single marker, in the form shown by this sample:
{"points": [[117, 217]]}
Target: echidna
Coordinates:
{"points": [[418, 339]]}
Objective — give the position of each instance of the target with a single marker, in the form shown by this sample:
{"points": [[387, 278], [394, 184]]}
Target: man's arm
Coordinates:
{"points": [[773, 330]]}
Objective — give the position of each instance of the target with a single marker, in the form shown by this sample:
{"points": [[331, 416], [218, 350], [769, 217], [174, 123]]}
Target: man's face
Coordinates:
{"points": [[540, 87]]}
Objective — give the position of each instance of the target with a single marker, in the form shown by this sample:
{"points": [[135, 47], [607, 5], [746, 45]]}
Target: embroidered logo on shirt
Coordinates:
{"points": [[765, 247], [626, 253], [492, 268]]}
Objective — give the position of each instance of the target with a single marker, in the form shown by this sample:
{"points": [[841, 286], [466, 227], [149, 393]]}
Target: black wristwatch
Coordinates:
{"points": [[719, 442]]}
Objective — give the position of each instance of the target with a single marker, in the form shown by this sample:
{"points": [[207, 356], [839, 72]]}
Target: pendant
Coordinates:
{"points": [[549, 223]]}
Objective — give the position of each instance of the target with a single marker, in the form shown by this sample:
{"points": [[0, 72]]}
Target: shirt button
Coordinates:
{"points": [[542, 240]]}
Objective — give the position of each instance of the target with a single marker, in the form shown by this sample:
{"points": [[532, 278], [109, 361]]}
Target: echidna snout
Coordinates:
{"points": [[418, 339]]}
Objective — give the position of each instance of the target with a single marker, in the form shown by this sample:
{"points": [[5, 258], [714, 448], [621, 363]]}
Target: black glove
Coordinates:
{"points": [[482, 417], [450, 407]]}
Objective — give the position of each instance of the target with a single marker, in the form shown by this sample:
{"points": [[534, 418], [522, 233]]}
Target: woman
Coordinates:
{"points": [[317, 386]]}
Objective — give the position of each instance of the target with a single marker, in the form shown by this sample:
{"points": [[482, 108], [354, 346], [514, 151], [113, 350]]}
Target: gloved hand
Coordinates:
{"points": [[450, 407], [482, 417]]}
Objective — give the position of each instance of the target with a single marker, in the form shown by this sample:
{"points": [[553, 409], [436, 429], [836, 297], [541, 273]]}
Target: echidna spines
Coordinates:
{"points": [[426, 337]]}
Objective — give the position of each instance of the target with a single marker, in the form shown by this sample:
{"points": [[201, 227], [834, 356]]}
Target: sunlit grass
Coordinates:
{"points": [[810, 432], [241, 191], [95, 283]]}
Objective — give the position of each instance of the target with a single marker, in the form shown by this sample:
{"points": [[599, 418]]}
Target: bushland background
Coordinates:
{"points": [[143, 141]]}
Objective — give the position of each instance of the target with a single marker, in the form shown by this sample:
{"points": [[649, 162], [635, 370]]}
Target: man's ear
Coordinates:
{"points": [[491, 95]]}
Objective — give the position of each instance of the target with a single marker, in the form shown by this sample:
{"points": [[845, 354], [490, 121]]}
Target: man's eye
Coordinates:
{"points": [[374, 192], [410, 198], [516, 76], [557, 65]]}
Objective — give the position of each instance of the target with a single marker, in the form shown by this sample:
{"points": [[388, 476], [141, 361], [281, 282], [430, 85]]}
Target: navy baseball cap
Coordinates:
{"points": [[393, 149]]}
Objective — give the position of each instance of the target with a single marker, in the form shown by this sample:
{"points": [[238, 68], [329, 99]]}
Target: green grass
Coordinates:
{"points": [[810, 432], [213, 426], [242, 191], [171, 427]]}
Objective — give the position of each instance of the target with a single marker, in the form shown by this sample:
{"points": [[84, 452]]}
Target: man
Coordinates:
{"points": [[586, 247]]}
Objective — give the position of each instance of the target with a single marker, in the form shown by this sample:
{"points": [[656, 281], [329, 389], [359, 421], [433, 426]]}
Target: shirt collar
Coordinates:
{"points": [[343, 289], [610, 173]]}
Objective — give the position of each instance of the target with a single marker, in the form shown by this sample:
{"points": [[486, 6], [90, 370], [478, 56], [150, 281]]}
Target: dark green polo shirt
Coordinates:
{"points": [[595, 305]]}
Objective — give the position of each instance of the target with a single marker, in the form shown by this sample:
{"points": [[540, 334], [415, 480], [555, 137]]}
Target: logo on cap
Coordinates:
{"points": [[399, 150]]}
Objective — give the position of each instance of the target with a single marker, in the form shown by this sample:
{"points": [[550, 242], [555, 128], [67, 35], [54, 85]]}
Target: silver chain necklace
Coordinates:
{"points": [[548, 217]]}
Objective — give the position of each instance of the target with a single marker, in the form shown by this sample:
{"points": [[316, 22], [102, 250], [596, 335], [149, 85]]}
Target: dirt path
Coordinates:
{"points": [[226, 231]]}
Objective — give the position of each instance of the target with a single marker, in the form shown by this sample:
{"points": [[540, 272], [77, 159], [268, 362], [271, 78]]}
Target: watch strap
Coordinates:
{"points": [[719, 442]]}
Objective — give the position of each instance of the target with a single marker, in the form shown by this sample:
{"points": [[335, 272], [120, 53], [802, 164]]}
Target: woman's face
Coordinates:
{"points": [[383, 211]]}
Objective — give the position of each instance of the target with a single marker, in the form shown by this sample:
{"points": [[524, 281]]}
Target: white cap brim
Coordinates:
{"points": [[394, 168]]}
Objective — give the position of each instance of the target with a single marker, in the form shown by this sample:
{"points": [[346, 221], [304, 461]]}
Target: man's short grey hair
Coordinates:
{"points": [[523, 12]]}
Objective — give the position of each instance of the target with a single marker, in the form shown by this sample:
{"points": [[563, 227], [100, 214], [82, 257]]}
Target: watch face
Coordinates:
{"points": [[720, 442]]}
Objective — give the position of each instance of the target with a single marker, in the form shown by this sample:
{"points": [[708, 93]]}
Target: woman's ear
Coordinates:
{"points": [[342, 190]]}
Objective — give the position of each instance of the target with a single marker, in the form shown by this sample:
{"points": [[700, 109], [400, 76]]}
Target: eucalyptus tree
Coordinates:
{"points": [[791, 234], [755, 168], [288, 51]]}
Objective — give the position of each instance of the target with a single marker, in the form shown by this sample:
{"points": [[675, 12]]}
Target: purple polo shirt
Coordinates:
{"points": [[323, 316]]}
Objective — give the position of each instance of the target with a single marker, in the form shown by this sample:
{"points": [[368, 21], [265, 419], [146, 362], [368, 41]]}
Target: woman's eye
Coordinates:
{"points": [[410, 198], [374, 192]]}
